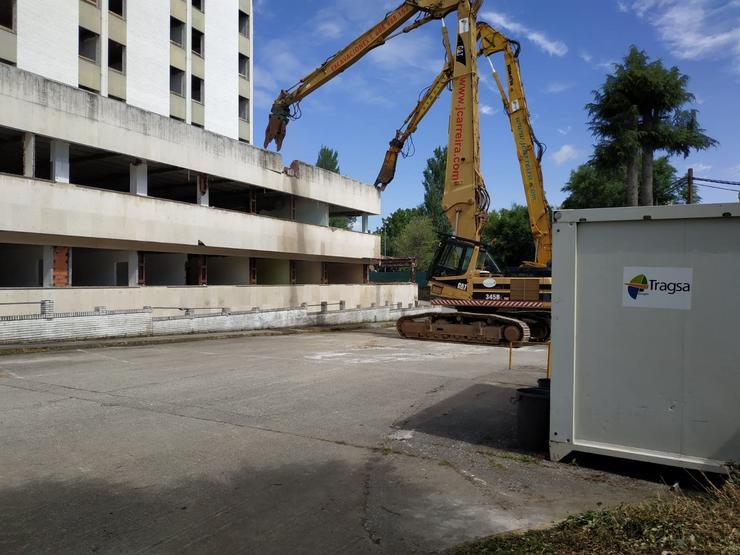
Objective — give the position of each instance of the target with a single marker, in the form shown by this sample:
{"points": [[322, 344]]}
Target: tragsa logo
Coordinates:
{"points": [[637, 286]]}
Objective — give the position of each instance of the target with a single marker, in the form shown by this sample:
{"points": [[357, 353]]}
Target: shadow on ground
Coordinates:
{"points": [[486, 414], [291, 509], [482, 414]]}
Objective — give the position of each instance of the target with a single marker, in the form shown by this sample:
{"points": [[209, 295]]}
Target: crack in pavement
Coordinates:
{"points": [[193, 412], [372, 535]]}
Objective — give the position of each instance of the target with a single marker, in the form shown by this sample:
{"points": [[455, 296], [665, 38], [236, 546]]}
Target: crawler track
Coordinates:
{"points": [[464, 327]]}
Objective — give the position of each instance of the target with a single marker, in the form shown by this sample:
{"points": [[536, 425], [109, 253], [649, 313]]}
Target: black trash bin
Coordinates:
{"points": [[533, 418]]}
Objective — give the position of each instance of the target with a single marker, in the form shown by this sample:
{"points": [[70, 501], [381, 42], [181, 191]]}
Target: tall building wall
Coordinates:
{"points": [[222, 64], [127, 50], [47, 38], [148, 51]]}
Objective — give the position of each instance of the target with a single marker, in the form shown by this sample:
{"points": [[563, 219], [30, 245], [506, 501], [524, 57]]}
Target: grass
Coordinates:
{"points": [[518, 457], [706, 522]]}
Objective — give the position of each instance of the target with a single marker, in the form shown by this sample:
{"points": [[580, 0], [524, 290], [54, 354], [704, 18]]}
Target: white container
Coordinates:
{"points": [[646, 334]]}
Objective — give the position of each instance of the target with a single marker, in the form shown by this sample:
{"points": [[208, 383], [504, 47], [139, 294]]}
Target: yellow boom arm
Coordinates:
{"points": [[529, 150], [282, 108]]}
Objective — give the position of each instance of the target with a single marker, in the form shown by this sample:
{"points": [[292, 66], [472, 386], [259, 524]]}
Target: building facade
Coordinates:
{"points": [[186, 59], [128, 180]]}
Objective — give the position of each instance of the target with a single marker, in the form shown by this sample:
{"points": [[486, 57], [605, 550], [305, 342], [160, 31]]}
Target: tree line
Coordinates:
{"points": [[639, 117]]}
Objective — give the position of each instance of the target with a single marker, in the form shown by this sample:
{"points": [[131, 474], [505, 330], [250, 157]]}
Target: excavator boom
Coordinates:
{"points": [[529, 150], [282, 109]]}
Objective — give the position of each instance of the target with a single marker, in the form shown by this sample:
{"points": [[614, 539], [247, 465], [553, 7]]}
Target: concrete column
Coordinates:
{"points": [[59, 161], [138, 178], [189, 62], [365, 223], [48, 266], [103, 46], [133, 269], [47, 308], [203, 193], [29, 154]]}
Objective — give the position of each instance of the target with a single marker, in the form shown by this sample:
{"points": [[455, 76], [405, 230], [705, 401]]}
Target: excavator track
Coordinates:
{"points": [[464, 327]]}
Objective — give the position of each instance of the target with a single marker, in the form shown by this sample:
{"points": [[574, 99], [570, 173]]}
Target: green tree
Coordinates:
{"points": [[640, 110], [510, 236], [434, 185], [392, 226], [328, 159], [418, 239], [594, 185], [614, 121]]}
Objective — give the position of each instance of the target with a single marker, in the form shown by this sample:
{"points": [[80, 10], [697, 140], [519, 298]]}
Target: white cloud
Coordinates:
{"points": [[558, 86], [695, 29], [735, 172], [284, 70], [622, 7], [565, 131], [550, 46], [406, 51], [487, 110], [585, 56], [607, 65], [260, 7], [565, 153], [700, 168], [329, 29]]}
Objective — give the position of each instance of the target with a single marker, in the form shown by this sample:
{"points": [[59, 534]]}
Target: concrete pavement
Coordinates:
{"points": [[355, 442]]}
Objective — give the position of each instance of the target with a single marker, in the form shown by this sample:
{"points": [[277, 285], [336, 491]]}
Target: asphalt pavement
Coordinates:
{"points": [[351, 442]]}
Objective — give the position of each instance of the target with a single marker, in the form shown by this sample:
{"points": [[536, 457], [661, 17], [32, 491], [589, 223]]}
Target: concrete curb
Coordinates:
{"points": [[6, 350]]}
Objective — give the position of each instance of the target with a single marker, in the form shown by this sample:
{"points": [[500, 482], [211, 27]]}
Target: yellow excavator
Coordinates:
{"points": [[493, 307]]}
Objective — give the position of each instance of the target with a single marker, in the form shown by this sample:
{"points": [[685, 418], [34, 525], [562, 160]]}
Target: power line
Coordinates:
{"points": [[717, 181], [715, 187]]}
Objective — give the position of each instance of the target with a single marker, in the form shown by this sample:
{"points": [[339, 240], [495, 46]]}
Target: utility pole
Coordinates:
{"points": [[690, 181]]}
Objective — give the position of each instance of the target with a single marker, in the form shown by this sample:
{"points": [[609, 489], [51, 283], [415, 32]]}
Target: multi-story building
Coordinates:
{"points": [[127, 178], [187, 59]]}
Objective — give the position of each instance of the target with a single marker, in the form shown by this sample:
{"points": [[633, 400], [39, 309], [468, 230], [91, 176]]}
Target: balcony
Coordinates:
{"points": [[8, 45], [89, 74], [106, 219], [116, 84], [179, 9], [90, 16], [178, 106]]}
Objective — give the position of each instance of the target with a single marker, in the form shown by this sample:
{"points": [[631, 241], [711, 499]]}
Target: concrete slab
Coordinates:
{"points": [[353, 442]]}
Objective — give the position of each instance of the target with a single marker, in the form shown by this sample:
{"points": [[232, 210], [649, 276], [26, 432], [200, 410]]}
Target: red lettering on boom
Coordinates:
{"points": [[462, 91], [362, 44]]}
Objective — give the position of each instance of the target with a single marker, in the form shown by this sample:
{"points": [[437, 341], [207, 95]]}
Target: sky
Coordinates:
{"points": [[568, 47]]}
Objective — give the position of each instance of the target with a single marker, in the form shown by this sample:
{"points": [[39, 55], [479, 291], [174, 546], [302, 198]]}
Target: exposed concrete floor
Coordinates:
{"points": [[355, 442]]}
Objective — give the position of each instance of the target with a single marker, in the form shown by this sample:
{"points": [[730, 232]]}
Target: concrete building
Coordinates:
{"points": [[128, 180], [186, 59]]}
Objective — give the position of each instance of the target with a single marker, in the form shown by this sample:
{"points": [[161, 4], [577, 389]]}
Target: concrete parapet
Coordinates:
{"points": [[215, 297], [51, 109], [139, 323], [75, 325], [98, 218]]}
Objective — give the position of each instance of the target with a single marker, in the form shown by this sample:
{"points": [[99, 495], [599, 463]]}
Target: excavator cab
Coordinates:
{"points": [[456, 266], [455, 257]]}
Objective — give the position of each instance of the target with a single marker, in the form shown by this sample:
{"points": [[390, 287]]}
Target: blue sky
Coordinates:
{"points": [[568, 47]]}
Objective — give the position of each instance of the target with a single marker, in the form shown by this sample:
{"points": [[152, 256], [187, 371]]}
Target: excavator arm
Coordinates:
{"points": [[529, 150], [465, 200], [409, 126], [285, 106]]}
